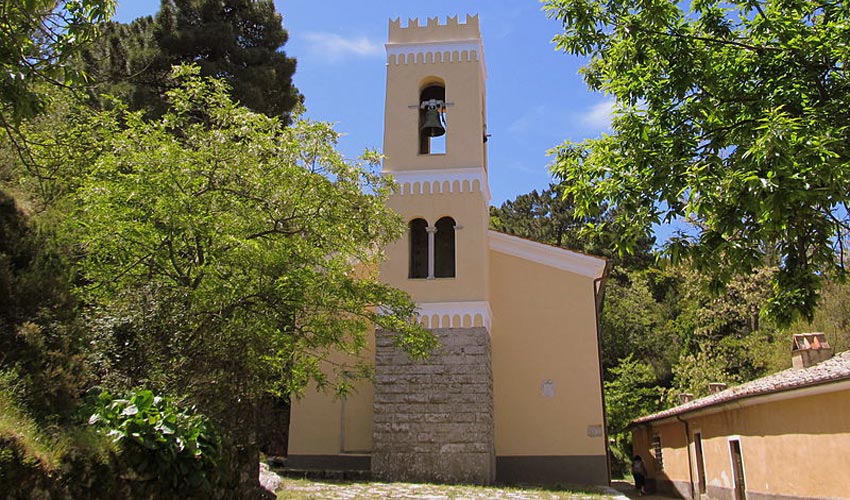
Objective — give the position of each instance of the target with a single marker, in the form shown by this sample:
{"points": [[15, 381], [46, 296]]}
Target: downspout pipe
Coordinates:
{"points": [[688, 451]]}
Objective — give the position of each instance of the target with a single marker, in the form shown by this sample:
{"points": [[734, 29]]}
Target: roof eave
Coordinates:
{"points": [[585, 265], [820, 387]]}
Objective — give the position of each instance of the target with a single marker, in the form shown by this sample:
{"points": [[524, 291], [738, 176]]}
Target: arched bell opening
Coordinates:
{"points": [[432, 119], [418, 229], [444, 248]]}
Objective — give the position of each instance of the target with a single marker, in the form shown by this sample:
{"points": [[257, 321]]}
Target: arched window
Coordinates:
{"points": [[418, 229], [444, 248], [432, 119]]}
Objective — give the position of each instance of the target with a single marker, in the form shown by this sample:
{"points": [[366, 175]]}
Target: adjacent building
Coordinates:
{"points": [[514, 394], [784, 436]]}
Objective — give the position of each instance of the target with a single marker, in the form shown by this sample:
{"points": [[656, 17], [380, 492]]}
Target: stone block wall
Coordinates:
{"points": [[433, 419]]}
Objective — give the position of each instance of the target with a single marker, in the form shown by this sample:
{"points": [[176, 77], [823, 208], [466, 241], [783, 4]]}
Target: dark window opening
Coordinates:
{"points": [[418, 229], [700, 462], [444, 248], [657, 452], [432, 120], [738, 478]]}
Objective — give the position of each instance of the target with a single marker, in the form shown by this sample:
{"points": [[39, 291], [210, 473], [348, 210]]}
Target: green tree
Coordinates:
{"points": [[695, 371], [732, 115], [631, 392], [40, 339], [831, 317], [634, 322], [223, 255], [550, 217], [38, 38], [239, 41], [728, 326], [546, 217]]}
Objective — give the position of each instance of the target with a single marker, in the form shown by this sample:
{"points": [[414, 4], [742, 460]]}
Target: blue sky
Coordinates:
{"points": [[536, 98]]}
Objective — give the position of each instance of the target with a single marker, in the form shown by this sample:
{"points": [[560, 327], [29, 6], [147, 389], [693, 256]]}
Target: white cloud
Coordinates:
{"points": [[598, 116], [334, 47]]}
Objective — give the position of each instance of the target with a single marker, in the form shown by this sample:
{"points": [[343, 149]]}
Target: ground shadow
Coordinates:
{"points": [[627, 488]]}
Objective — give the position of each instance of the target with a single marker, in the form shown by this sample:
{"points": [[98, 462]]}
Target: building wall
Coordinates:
{"points": [[540, 321], [433, 418], [546, 373], [794, 448], [328, 432], [667, 471], [544, 330]]}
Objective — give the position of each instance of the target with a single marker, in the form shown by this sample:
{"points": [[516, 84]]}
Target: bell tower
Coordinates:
{"points": [[435, 148], [438, 68], [433, 420]]}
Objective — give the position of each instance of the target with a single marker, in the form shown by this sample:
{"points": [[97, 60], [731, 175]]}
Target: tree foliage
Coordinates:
{"points": [[630, 391], [551, 217], [635, 323], [732, 115], [38, 38], [246, 236], [40, 339], [831, 317], [220, 255], [239, 41], [546, 217]]}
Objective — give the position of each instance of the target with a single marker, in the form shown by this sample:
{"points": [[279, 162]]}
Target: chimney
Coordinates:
{"points": [[809, 349], [715, 387], [685, 397]]}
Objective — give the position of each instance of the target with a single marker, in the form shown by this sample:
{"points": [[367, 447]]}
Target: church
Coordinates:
{"points": [[513, 394]]}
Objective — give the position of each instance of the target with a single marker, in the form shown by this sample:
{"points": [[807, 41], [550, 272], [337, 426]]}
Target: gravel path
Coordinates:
{"points": [[301, 489]]}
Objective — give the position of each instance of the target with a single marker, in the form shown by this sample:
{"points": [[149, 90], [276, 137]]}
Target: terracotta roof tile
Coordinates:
{"points": [[830, 370]]}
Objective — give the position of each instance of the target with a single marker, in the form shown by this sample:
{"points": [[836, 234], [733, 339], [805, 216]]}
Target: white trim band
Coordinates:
{"points": [[446, 180], [559, 258], [472, 45], [437, 52], [455, 314]]}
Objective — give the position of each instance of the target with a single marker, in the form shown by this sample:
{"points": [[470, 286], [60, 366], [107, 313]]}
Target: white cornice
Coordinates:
{"points": [[559, 258], [435, 46], [455, 314], [445, 180], [438, 48]]}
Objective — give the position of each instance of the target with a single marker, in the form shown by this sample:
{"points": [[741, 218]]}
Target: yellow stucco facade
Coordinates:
{"points": [[791, 444], [520, 363]]}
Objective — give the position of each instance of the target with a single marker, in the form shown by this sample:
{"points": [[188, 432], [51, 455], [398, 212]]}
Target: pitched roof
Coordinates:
{"points": [[834, 369]]}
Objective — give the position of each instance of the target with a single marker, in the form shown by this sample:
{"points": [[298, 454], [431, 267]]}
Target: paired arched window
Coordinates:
{"points": [[432, 249], [418, 229], [444, 248]]}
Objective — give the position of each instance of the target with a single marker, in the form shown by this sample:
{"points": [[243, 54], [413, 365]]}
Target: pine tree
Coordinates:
{"points": [[239, 41]]}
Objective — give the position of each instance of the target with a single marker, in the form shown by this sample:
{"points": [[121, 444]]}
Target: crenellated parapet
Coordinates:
{"points": [[434, 42], [451, 30]]}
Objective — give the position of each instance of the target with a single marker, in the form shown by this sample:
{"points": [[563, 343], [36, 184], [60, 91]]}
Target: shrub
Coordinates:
{"points": [[164, 450]]}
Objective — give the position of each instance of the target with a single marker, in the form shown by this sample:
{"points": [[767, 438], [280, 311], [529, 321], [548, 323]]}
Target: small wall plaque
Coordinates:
{"points": [[548, 389]]}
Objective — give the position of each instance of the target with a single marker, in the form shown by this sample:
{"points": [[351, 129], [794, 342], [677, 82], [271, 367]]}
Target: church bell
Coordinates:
{"points": [[432, 122]]}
